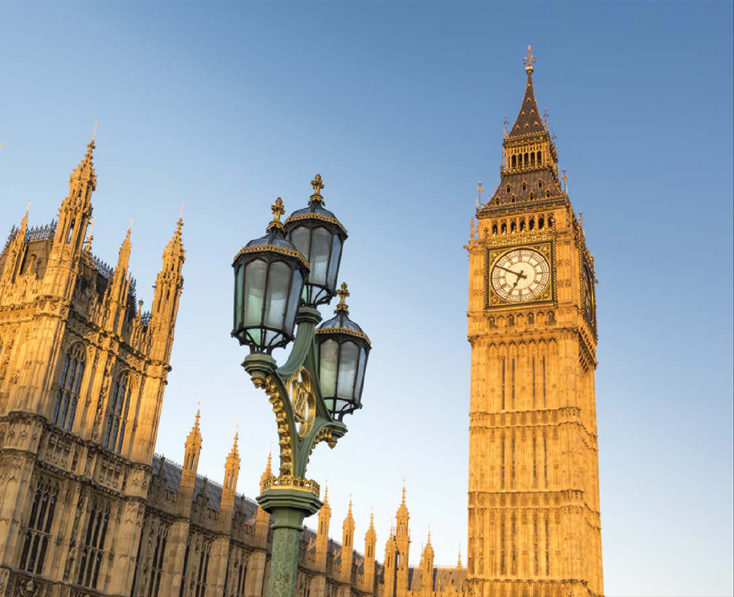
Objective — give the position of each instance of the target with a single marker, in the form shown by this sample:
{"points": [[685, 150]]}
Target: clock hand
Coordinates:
{"points": [[519, 275]]}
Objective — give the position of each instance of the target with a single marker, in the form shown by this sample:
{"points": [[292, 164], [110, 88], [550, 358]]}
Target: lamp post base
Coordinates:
{"points": [[288, 508]]}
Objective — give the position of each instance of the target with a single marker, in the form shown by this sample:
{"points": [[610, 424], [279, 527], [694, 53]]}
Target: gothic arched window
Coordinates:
{"points": [[93, 548], [117, 413], [39, 528], [67, 394]]}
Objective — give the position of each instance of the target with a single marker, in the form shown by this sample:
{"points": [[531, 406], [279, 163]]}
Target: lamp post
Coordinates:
{"points": [[280, 280]]}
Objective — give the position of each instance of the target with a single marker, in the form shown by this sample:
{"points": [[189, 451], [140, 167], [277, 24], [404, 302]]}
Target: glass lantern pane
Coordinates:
{"points": [[360, 374], [293, 301], [254, 291], [347, 370], [239, 289], [279, 278], [328, 356], [301, 237], [319, 258], [336, 253]]}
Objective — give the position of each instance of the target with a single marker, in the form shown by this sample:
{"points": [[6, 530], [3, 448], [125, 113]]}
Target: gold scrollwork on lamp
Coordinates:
{"points": [[281, 418], [303, 400]]}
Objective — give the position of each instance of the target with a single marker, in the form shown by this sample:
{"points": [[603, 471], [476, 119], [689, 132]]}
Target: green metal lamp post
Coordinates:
{"points": [[280, 280]]}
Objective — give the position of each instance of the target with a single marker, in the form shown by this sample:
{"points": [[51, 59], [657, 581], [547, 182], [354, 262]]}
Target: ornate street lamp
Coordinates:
{"points": [[269, 277], [319, 235], [272, 276], [343, 352]]}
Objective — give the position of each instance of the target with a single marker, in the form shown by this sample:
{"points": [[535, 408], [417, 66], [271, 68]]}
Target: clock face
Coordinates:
{"points": [[520, 275]]}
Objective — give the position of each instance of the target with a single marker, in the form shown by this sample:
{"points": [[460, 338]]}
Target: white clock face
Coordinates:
{"points": [[520, 275]]}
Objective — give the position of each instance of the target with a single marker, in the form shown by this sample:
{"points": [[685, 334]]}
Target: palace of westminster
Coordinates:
{"points": [[88, 509]]}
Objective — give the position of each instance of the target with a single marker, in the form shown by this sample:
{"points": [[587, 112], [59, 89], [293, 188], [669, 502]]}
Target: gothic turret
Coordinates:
{"points": [[231, 472], [74, 214], [402, 543], [427, 568], [191, 457], [14, 252], [322, 536], [116, 297], [391, 557], [168, 287], [370, 543], [347, 544]]}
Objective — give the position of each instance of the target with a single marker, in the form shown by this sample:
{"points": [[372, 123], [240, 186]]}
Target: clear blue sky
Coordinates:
{"points": [[400, 108]]}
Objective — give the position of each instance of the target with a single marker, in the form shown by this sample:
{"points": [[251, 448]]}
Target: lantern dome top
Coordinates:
{"points": [[341, 323], [316, 209], [274, 239]]}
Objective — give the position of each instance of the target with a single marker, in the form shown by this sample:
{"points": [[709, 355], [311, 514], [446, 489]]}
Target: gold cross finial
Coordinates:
{"points": [[317, 185], [529, 60], [343, 293], [278, 210]]}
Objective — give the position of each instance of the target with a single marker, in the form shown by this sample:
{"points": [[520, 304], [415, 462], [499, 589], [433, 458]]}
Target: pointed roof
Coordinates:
{"points": [[233, 458], [529, 121], [194, 436], [349, 518], [268, 472], [84, 172]]}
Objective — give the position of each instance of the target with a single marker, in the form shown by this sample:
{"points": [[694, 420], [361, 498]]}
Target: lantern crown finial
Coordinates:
{"points": [[318, 186], [343, 293], [278, 210]]}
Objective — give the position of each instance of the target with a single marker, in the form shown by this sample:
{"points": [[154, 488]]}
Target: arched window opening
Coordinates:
{"points": [[522, 225], [532, 196], [511, 320], [532, 159], [551, 221], [67, 393], [513, 226], [509, 189], [37, 535], [514, 161], [540, 184], [513, 199], [531, 319], [540, 158], [547, 193], [531, 225], [71, 231], [93, 548], [524, 186], [117, 413], [541, 223], [527, 159], [504, 228], [494, 228]]}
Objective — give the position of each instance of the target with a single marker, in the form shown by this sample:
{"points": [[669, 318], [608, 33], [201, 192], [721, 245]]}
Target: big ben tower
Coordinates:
{"points": [[534, 522]]}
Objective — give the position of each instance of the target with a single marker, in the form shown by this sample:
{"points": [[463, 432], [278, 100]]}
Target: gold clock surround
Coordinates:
{"points": [[493, 254]]}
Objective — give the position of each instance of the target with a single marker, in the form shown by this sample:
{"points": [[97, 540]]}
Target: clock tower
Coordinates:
{"points": [[534, 518]]}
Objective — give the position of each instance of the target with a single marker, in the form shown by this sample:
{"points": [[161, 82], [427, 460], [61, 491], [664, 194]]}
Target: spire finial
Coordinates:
{"points": [[278, 210], [529, 60], [343, 293], [94, 133], [198, 413], [505, 123], [180, 217], [565, 182], [318, 186], [403, 503], [480, 189], [545, 118], [581, 218]]}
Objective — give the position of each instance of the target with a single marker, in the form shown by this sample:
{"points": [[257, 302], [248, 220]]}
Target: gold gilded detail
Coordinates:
{"points": [[318, 186], [291, 482], [281, 418], [324, 435], [315, 216], [303, 400], [273, 249], [344, 331]]}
